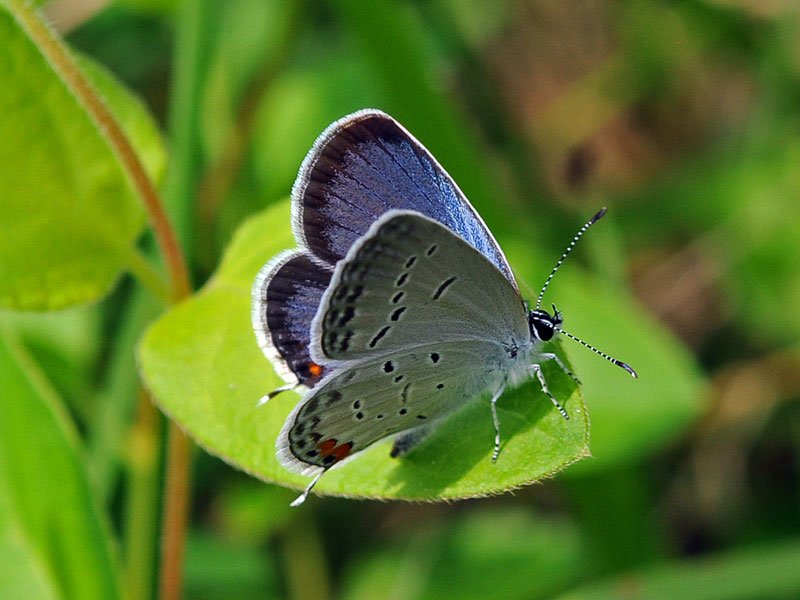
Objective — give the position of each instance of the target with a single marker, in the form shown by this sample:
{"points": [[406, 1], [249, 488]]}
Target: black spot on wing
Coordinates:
{"points": [[379, 336], [340, 318], [337, 342], [312, 405], [345, 344], [397, 312], [445, 284], [355, 293]]}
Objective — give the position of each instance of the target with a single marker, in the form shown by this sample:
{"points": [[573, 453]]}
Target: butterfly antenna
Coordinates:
{"points": [[574, 241], [610, 359]]}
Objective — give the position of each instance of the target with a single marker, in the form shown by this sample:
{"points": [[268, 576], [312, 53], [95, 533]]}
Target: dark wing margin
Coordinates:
{"points": [[286, 295], [364, 165]]}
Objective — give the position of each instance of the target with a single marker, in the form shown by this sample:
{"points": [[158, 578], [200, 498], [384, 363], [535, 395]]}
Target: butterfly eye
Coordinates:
{"points": [[541, 324]]}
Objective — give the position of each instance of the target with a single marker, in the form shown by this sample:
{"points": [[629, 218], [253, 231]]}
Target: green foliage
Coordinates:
{"points": [[55, 162], [52, 540]]}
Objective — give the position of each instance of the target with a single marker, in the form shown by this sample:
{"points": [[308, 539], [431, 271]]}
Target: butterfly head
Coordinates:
{"points": [[543, 325]]}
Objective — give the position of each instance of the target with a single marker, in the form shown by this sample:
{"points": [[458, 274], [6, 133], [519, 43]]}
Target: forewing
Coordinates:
{"points": [[365, 165], [286, 295], [367, 401], [411, 281]]}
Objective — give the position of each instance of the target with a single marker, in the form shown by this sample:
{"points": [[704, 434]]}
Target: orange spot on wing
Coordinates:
{"points": [[341, 451], [315, 369], [327, 447]]}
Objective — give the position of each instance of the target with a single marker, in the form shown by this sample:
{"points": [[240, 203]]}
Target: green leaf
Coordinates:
{"points": [[203, 366], [50, 531], [21, 575], [631, 418], [136, 121], [70, 215]]}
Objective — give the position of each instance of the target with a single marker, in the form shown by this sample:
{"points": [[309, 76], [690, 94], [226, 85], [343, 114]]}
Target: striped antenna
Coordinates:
{"points": [[574, 241], [610, 359]]}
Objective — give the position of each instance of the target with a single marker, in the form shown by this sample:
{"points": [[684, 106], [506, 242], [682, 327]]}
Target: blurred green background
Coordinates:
{"points": [[683, 117]]}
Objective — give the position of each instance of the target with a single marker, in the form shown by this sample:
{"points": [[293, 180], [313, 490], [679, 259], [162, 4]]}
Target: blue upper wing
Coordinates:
{"points": [[364, 165], [286, 296]]}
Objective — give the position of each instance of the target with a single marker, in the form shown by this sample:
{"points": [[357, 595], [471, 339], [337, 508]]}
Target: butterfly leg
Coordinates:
{"points": [[540, 376], [302, 497], [560, 363], [409, 440], [496, 396]]}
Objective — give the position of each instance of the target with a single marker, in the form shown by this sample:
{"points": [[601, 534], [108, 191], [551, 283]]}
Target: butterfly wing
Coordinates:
{"points": [[414, 324], [286, 296], [411, 281], [364, 165], [372, 399]]}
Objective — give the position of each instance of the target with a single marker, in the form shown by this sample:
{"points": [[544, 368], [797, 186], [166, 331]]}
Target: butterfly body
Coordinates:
{"points": [[397, 309]]}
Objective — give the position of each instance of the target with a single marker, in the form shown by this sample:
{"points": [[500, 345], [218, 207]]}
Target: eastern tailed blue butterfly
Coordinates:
{"points": [[397, 308]]}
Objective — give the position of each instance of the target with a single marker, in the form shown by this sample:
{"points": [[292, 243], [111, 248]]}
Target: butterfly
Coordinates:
{"points": [[397, 308]]}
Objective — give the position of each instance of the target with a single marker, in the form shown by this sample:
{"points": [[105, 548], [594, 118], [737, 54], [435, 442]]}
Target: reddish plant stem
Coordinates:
{"points": [[176, 498], [176, 513]]}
